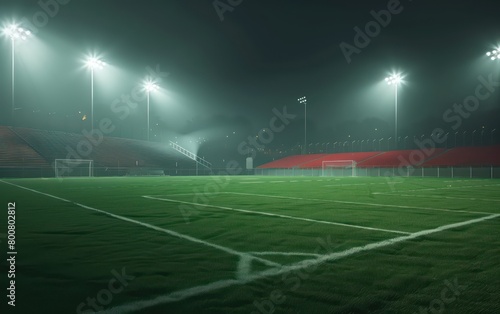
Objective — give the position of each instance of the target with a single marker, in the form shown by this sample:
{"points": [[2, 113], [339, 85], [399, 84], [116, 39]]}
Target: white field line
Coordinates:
{"points": [[208, 288], [359, 203], [447, 197], [143, 224], [444, 188], [285, 254], [274, 215], [251, 182]]}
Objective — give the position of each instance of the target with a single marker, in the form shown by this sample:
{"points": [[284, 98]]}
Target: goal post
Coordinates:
{"points": [[342, 168], [73, 168]]}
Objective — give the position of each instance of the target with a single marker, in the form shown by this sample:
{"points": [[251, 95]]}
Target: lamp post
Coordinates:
{"points": [[491, 136], [15, 33], [473, 135], [149, 86], [94, 64], [379, 144], [395, 80], [303, 100], [456, 133]]}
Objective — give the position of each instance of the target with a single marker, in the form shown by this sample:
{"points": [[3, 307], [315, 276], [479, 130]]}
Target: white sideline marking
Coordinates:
{"points": [[274, 215], [194, 291], [447, 197], [285, 254], [359, 203], [167, 231], [449, 188], [251, 182]]}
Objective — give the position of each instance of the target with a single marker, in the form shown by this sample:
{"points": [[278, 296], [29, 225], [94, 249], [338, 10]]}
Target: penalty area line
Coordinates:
{"points": [[246, 211], [211, 287]]}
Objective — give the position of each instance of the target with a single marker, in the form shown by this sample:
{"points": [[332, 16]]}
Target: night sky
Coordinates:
{"points": [[227, 76]]}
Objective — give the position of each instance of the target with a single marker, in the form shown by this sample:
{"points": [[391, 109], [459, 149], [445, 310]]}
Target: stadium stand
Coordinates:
{"points": [[468, 156], [31, 148], [15, 153], [357, 157], [292, 161], [399, 157], [460, 156]]}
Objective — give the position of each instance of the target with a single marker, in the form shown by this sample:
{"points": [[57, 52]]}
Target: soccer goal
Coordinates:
{"points": [[341, 168], [74, 168]]}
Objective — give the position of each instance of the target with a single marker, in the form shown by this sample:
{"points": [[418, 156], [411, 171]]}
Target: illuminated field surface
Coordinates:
{"points": [[256, 245]]}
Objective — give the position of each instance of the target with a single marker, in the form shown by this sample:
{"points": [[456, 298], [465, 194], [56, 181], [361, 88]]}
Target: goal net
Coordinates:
{"points": [[74, 168], [340, 168]]}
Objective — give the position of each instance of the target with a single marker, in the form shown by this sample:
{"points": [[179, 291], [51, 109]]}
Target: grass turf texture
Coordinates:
{"points": [[66, 252]]}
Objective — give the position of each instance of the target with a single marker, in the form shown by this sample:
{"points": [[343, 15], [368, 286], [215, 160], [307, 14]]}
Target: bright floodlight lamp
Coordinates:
{"points": [[395, 79], [15, 32], [494, 54], [303, 100], [149, 86]]}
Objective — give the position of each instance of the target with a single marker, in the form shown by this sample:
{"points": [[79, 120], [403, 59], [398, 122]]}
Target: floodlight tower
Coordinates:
{"points": [[494, 54], [15, 33], [94, 64], [395, 80], [303, 100], [149, 86]]}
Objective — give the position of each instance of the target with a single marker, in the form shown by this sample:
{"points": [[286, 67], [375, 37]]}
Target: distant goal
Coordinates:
{"points": [[338, 168], [73, 168]]}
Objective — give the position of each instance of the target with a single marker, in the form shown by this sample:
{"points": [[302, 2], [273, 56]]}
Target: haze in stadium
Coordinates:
{"points": [[236, 156]]}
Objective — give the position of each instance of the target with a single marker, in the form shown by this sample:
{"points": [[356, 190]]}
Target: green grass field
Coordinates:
{"points": [[254, 245]]}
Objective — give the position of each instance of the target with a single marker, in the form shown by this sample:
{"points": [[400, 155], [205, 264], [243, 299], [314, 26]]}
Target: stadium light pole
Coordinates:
{"points": [[303, 100], [149, 86], [15, 33], [93, 63], [395, 79], [491, 136]]}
